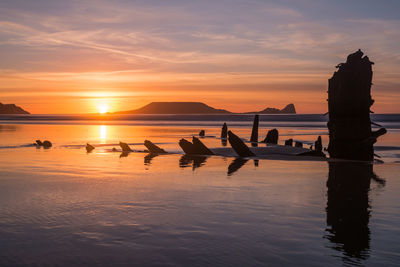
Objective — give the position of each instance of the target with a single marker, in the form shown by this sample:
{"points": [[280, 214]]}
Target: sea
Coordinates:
{"points": [[63, 206]]}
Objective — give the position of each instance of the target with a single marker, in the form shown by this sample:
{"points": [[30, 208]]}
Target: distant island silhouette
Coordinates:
{"points": [[11, 109], [198, 108], [289, 109]]}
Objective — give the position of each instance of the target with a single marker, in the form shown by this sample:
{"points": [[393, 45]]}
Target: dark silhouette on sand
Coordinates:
{"points": [[224, 131], [11, 109], [254, 132], [197, 108], [349, 102], [272, 137], [239, 146], [195, 148], [45, 144], [125, 147], [289, 142], [153, 148], [89, 148], [316, 152]]}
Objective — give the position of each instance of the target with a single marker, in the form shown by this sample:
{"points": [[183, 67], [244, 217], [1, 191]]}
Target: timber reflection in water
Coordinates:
{"points": [[348, 208], [236, 165], [149, 157], [192, 160], [239, 163], [198, 161]]}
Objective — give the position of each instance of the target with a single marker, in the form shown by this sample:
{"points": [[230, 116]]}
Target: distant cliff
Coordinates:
{"points": [[289, 109], [175, 108], [197, 108], [11, 109]]}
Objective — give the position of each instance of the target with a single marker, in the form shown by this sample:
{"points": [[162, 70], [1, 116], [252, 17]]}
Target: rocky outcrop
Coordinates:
{"points": [[198, 108], [289, 109], [176, 108], [11, 109]]}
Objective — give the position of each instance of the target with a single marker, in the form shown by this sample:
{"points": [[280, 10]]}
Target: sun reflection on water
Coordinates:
{"points": [[103, 133]]}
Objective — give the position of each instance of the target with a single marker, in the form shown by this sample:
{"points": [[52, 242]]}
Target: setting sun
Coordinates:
{"points": [[103, 108]]}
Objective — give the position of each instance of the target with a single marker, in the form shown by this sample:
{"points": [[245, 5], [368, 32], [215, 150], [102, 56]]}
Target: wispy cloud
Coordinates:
{"points": [[63, 46]]}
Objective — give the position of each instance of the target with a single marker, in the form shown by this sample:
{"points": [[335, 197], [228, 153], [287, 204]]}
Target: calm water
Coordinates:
{"points": [[64, 207]]}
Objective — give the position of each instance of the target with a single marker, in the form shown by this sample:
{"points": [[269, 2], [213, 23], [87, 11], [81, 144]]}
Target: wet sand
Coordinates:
{"points": [[63, 206]]}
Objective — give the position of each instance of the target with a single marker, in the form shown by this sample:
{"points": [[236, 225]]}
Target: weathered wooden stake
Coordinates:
{"points": [[89, 148], [272, 137], [125, 147], [201, 148], [239, 146], [349, 102], [254, 131], [224, 131], [153, 148]]}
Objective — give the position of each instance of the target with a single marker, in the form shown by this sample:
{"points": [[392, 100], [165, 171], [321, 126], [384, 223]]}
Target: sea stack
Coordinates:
{"points": [[349, 102]]}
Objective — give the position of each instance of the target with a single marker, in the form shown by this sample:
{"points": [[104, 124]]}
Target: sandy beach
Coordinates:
{"points": [[65, 206]]}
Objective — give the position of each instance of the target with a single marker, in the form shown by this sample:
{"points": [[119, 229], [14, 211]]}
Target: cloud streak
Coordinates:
{"points": [[63, 46]]}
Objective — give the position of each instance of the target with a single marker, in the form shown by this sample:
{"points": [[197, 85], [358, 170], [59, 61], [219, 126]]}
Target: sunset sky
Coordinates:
{"points": [[241, 55]]}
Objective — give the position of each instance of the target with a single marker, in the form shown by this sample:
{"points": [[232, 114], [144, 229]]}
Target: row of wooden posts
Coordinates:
{"points": [[197, 147]]}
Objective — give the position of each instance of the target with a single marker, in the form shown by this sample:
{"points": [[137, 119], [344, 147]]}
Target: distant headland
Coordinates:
{"points": [[11, 109], [198, 108]]}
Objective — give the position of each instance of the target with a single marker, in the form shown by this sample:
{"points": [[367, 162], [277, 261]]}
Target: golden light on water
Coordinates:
{"points": [[103, 133]]}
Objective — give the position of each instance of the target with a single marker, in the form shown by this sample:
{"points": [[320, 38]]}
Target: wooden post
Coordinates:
{"points": [[125, 147], [224, 131], [272, 137], [200, 148], [239, 146], [349, 102], [254, 131], [153, 148], [89, 148]]}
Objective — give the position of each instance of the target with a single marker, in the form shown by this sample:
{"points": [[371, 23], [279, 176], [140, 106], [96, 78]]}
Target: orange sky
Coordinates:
{"points": [[74, 57]]}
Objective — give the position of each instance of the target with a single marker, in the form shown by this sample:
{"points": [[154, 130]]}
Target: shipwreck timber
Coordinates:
{"points": [[349, 103]]}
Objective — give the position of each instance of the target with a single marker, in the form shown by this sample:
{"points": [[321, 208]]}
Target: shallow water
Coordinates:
{"points": [[64, 207]]}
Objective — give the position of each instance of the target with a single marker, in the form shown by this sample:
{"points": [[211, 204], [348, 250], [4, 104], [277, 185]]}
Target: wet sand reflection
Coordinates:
{"points": [[348, 208]]}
